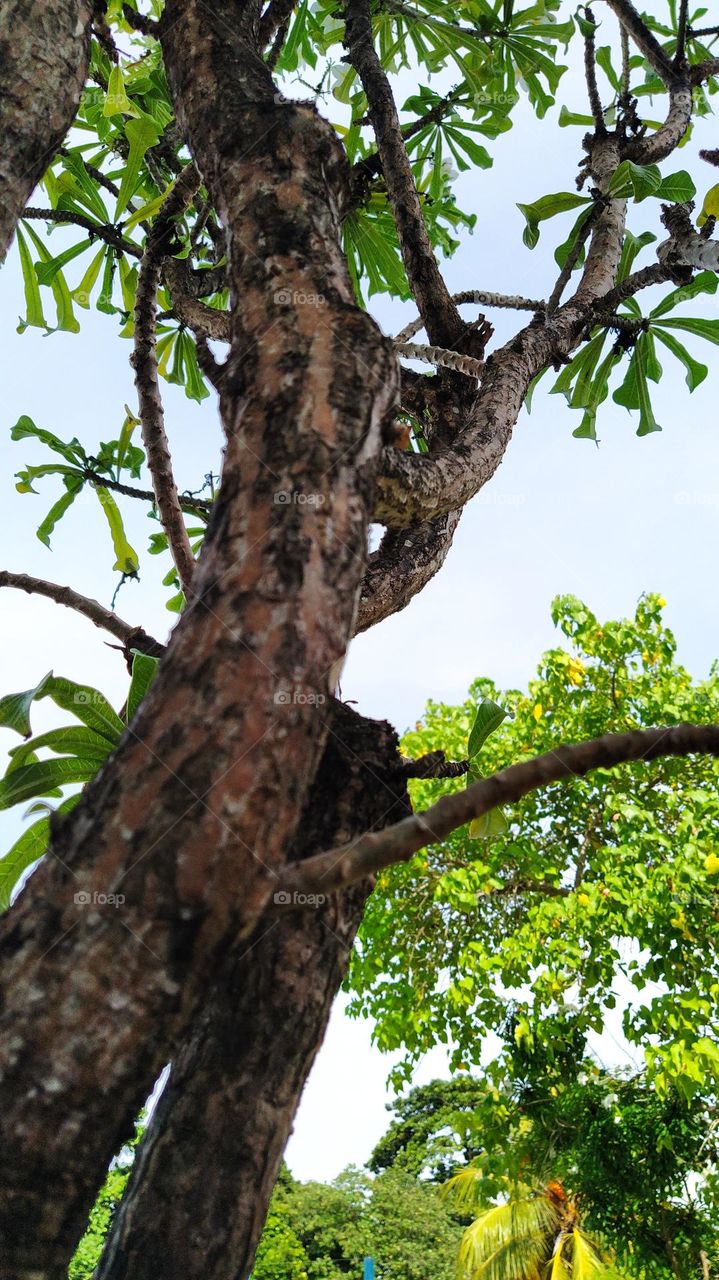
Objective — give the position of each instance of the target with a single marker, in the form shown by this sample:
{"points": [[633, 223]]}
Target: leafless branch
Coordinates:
{"points": [[643, 38], [482, 298], [199, 505], [144, 361], [434, 765], [373, 851], [590, 71], [130, 637], [276, 15], [99, 230], [440, 356]]}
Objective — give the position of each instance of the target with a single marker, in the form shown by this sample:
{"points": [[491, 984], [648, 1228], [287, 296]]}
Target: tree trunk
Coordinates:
{"points": [[43, 63], [191, 819], [199, 1193]]}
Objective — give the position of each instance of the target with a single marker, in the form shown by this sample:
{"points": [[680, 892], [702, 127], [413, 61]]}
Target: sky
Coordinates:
{"points": [[560, 515]]}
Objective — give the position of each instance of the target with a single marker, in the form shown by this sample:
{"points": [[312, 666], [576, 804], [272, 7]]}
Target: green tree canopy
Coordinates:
{"points": [[600, 894]]}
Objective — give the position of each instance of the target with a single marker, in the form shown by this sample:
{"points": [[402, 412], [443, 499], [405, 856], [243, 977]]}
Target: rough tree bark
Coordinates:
{"points": [[195, 817], [44, 46], [193, 814], [229, 1084]]}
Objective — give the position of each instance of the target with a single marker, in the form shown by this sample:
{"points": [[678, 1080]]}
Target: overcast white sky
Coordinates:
{"points": [[560, 515]]}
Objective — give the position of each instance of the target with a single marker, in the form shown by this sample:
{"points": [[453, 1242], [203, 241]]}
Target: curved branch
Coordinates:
{"points": [[144, 361], [657, 146], [349, 863], [405, 561], [200, 505], [130, 637], [441, 318]]}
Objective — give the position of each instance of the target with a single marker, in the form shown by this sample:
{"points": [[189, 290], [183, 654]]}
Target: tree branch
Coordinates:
{"points": [[349, 863], [590, 72], [100, 230], [441, 318], [441, 357], [276, 15], [144, 361], [482, 298], [130, 637], [644, 39], [200, 505]]}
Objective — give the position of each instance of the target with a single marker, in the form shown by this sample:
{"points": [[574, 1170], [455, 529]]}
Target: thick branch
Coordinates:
{"points": [[372, 852], [130, 637], [144, 361], [43, 51], [441, 318]]}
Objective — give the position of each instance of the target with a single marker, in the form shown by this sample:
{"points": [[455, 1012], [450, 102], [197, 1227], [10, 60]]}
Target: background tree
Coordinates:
{"points": [[212, 207]]}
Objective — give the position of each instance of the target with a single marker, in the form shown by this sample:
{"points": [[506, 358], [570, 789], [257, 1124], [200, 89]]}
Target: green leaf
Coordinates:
{"points": [[81, 295], [148, 210], [710, 208], [490, 824], [43, 777], [676, 187], [547, 207], [126, 557], [46, 271], [33, 314], [488, 718], [31, 845], [639, 180], [58, 509], [15, 708], [707, 329], [567, 117], [25, 429], [116, 99], [63, 302], [144, 670], [631, 248], [703, 282], [88, 704], [71, 740], [141, 134], [696, 372]]}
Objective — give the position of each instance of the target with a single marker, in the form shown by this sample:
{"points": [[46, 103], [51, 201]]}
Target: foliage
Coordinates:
{"points": [[105, 187], [77, 752], [325, 1231], [88, 1251], [642, 1167], [604, 881]]}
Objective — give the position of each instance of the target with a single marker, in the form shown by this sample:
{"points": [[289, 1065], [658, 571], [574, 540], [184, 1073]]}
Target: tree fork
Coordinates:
{"points": [[191, 818], [239, 1075]]}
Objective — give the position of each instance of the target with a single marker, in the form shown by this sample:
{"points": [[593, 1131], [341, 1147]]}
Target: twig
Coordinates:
{"points": [[680, 54], [590, 71], [139, 22], [481, 298], [144, 361], [336, 868], [434, 765], [199, 505], [441, 356], [130, 637], [572, 257], [644, 39], [626, 67], [101, 230], [441, 318]]}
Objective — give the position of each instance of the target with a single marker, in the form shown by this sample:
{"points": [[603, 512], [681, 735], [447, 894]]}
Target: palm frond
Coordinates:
{"points": [[466, 1190], [587, 1261], [559, 1269], [508, 1241]]}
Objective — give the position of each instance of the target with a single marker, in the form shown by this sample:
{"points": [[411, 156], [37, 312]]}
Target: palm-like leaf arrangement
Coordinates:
{"points": [[531, 1237]]}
